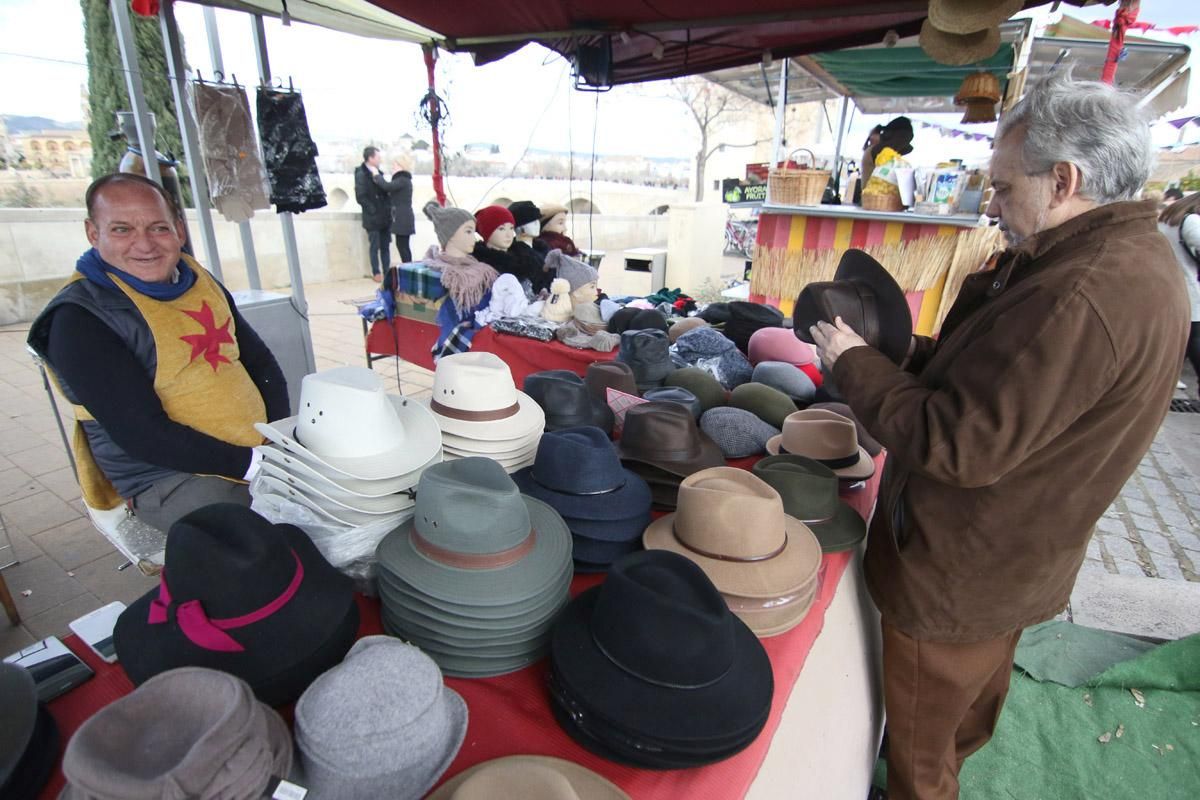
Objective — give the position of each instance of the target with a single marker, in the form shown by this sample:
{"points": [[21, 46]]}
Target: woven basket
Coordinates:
{"points": [[804, 186], [882, 202]]}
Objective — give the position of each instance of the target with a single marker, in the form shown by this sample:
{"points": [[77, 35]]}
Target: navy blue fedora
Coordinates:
{"points": [[578, 473]]}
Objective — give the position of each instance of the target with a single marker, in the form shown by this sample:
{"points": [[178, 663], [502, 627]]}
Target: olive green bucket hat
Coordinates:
{"points": [[765, 402]]}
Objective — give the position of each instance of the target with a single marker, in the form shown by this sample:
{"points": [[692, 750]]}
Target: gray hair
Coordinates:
{"points": [[1097, 128]]}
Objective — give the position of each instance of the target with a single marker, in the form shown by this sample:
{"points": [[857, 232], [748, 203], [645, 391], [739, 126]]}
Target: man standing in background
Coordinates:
{"points": [[376, 211]]}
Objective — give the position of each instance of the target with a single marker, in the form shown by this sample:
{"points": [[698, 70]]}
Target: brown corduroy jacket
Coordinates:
{"points": [[1010, 436]]}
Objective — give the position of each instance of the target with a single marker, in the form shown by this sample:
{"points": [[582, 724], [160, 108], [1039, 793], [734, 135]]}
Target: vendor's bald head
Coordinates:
{"points": [[135, 226]]}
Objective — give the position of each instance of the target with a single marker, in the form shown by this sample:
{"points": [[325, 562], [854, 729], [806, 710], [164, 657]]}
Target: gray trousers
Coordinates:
{"points": [[171, 498]]}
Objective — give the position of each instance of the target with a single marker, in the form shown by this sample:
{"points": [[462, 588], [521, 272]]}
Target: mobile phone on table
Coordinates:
{"points": [[96, 630], [54, 668]]}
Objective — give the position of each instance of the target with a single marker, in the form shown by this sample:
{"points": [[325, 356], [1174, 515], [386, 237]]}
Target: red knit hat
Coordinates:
{"points": [[488, 218]]}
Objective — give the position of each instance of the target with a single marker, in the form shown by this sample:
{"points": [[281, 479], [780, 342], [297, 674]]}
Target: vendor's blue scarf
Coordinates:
{"points": [[97, 270]]}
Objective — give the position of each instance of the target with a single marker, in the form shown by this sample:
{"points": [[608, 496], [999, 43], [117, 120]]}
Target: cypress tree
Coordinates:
{"points": [[106, 86]]}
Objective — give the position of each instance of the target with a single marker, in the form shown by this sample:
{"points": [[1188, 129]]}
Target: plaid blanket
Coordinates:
{"points": [[420, 280]]}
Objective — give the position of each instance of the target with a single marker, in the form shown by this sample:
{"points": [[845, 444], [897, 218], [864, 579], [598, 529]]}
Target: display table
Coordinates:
{"points": [[413, 339], [929, 255], [828, 737]]}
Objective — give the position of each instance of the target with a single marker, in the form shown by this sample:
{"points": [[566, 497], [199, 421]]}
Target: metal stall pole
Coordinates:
{"points": [[837, 148], [133, 82], [177, 74], [218, 63], [780, 112], [286, 218]]}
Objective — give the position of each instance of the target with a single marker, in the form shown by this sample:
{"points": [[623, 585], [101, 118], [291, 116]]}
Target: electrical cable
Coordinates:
{"points": [[592, 177]]}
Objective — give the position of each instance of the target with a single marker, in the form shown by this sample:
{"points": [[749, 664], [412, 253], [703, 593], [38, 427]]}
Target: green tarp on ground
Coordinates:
{"points": [[1100, 740], [1071, 654]]}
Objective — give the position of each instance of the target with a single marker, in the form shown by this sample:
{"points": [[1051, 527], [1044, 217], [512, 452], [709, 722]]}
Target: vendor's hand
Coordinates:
{"points": [[833, 340]]}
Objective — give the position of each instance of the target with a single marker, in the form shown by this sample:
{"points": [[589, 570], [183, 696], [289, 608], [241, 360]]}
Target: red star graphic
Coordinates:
{"points": [[209, 343]]}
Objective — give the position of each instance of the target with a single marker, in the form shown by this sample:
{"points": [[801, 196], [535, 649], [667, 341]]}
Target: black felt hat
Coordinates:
{"points": [[28, 737], [654, 657], [524, 212], [636, 319], [866, 297], [244, 596], [566, 400], [746, 318]]}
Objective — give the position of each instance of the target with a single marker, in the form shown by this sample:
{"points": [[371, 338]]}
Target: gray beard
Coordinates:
{"points": [[1015, 239]]}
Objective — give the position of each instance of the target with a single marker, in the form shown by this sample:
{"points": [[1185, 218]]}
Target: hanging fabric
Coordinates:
{"points": [[289, 151], [237, 181]]}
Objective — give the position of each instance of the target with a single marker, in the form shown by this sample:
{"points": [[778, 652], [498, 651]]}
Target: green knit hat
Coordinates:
{"points": [[768, 404], [708, 390]]}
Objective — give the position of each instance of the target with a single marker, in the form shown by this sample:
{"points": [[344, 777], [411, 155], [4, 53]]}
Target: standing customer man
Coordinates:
{"points": [[376, 212], [166, 377], [1011, 434]]}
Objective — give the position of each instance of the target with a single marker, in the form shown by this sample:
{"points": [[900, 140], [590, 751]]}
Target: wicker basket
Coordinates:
{"points": [[882, 202], [804, 186]]}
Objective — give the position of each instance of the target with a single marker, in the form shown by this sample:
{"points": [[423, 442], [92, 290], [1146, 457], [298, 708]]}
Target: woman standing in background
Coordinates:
{"points": [[400, 191], [1180, 223]]}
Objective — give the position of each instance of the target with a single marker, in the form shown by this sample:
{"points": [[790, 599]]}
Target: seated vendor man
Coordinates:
{"points": [[166, 377]]}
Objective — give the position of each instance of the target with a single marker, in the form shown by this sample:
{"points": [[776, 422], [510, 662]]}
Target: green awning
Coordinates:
{"points": [[905, 71]]}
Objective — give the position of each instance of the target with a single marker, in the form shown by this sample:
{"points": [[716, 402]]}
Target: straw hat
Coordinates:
{"points": [[955, 49], [970, 16]]}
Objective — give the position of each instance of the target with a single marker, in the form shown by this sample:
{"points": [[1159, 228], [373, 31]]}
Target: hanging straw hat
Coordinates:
{"points": [[970, 16], [956, 50]]}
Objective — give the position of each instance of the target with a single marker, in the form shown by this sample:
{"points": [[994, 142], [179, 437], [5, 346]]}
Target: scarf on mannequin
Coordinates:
{"points": [[465, 278]]}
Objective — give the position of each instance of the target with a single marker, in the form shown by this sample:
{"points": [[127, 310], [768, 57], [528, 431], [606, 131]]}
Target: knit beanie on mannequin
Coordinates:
{"points": [[488, 218], [576, 272], [446, 221]]}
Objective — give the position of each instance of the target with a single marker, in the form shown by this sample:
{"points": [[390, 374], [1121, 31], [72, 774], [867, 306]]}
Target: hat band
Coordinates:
{"points": [[207, 633], [452, 558], [655, 681], [832, 463], [723, 557], [474, 416], [544, 485]]}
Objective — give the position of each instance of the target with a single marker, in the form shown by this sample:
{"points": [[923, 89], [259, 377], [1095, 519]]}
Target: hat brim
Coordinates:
{"points": [[627, 501], [501, 447], [587, 784], [474, 666], [973, 16], [528, 419], [375, 506], [710, 456], [611, 530], [774, 621], [300, 465], [525, 579], [338, 515], [283, 653], [504, 459], [422, 441], [859, 471], [729, 704], [455, 636], [793, 568], [843, 532], [959, 49], [511, 618], [432, 641], [601, 551]]}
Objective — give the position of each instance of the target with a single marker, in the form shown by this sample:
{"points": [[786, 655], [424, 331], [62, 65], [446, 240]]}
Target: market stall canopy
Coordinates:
{"points": [[349, 16], [628, 41]]}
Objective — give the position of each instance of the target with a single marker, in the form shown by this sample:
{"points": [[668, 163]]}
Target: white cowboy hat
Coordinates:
{"points": [[474, 397], [336, 515], [349, 425], [388, 504], [301, 466]]}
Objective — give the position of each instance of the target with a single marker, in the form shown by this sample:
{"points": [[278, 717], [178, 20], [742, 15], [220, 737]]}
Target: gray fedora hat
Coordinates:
{"points": [[787, 378], [738, 432], [380, 724], [507, 616]]}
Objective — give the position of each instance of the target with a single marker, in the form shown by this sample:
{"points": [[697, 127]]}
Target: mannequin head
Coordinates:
{"points": [[503, 237], [525, 219], [495, 227], [585, 294], [463, 240], [557, 223]]}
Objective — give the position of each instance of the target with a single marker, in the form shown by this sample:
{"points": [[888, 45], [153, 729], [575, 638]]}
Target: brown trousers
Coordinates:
{"points": [[943, 700]]}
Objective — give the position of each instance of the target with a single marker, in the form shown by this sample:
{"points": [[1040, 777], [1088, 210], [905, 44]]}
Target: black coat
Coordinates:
{"points": [[506, 263], [376, 210], [399, 190], [531, 262]]}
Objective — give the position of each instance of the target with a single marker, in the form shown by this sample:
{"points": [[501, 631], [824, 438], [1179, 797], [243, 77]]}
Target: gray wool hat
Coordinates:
{"points": [[787, 378], [708, 349], [572, 270], [739, 433], [190, 731], [380, 724], [446, 220]]}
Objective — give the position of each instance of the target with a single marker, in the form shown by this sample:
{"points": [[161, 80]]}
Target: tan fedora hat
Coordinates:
{"points": [[732, 525], [959, 49], [683, 326], [970, 16], [528, 778], [474, 397], [825, 437], [775, 615]]}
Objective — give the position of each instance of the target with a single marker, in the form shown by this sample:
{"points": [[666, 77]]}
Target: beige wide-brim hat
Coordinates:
{"points": [[958, 50], [528, 778], [328, 513], [306, 468], [732, 525], [331, 499], [825, 437], [474, 397], [970, 16], [775, 615]]}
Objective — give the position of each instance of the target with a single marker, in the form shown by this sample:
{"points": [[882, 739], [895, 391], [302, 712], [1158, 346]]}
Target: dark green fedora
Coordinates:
{"points": [[810, 494], [708, 389], [765, 402]]}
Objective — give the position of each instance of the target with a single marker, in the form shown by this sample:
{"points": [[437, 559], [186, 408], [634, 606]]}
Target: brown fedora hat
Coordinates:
{"points": [[603, 375], [732, 525], [825, 437], [665, 435]]}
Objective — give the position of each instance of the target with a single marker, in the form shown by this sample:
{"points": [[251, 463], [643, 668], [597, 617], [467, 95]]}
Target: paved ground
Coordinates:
{"points": [[1141, 574]]}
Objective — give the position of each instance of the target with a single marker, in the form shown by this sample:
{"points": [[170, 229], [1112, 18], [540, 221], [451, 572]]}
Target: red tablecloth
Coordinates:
{"points": [[511, 714], [523, 356]]}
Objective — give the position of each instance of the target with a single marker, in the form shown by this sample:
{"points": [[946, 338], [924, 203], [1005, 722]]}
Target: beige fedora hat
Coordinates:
{"points": [[528, 778], [474, 397], [775, 615], [350, 426], [825, 437], [959, 49], [732, 525], [971, 16]]}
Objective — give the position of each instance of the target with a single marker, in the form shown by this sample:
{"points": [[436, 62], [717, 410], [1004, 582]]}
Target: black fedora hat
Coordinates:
{"points": [[578, 473], [636, 319], [715, 313], [566, 400], [745, 318], [657, 647], [244, 596], [648, 354], [28, 737], [866, 297]]}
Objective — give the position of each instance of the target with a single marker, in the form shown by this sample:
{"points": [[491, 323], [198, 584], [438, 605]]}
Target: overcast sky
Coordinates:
{"points": [[365, 88]]}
